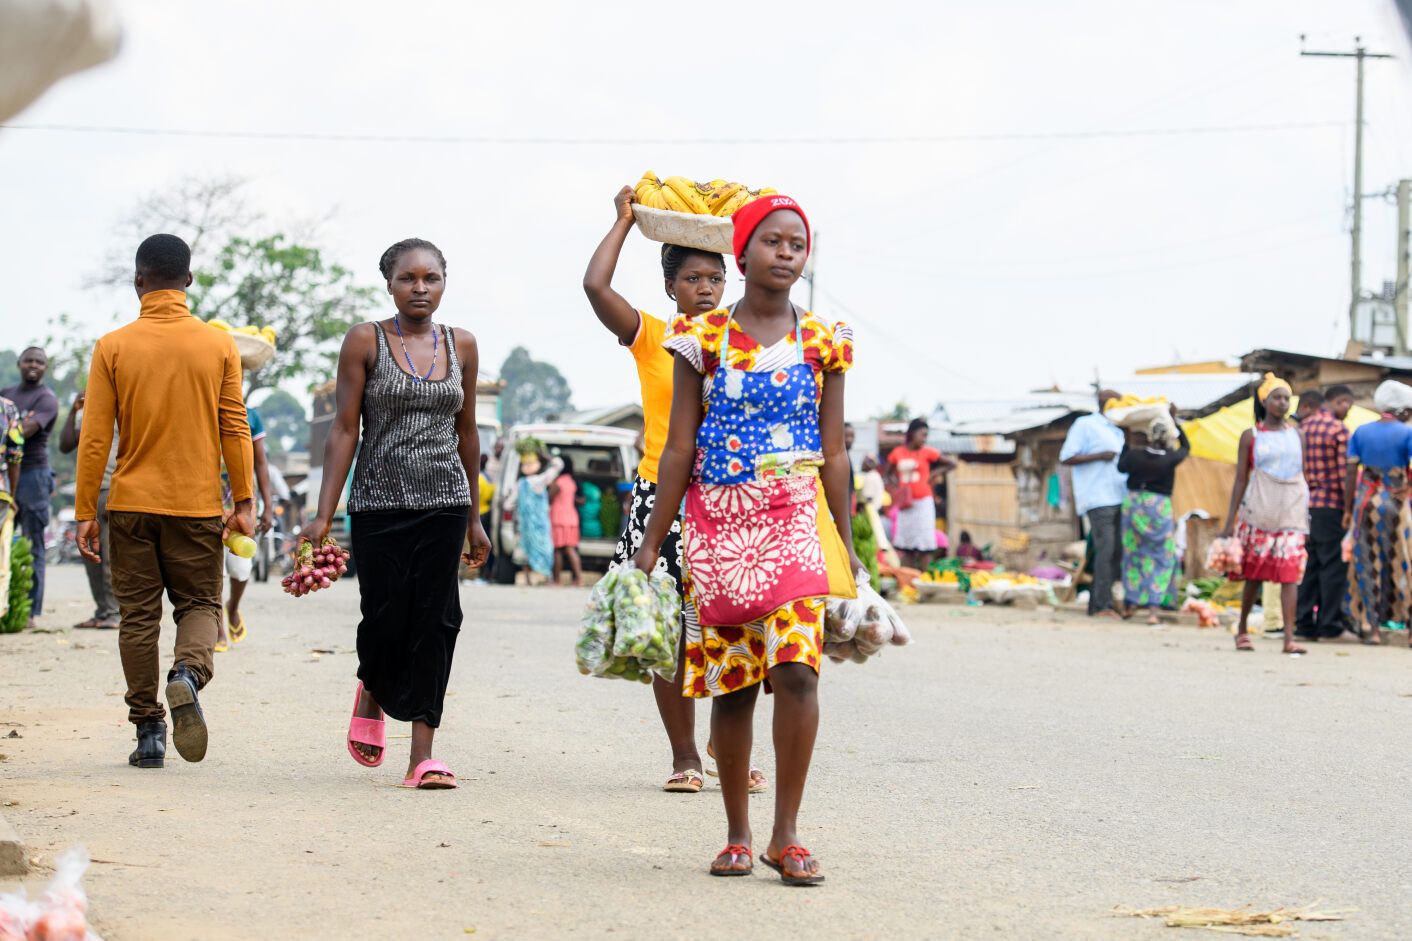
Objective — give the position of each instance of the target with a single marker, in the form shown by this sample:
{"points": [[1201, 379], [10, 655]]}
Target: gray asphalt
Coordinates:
{"points": [[1014, 774]]}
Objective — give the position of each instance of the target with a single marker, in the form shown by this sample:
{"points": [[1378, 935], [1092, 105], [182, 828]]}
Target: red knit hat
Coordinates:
{"points": [[748, 218]]}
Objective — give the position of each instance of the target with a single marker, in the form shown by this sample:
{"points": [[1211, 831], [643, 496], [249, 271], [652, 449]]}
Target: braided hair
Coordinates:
{"points": [[389, 258], [674, 256]]}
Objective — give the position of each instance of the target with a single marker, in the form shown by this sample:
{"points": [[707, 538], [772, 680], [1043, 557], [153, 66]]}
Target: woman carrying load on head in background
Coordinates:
{"points": [[756, 447], [410, 506], [694, 280], [528, 500], [1269, 511], [1150, 562], [1378, 515]]}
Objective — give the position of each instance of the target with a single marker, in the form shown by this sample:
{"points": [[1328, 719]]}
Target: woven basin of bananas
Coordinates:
{"points": [[256, 345], [683, 212]]}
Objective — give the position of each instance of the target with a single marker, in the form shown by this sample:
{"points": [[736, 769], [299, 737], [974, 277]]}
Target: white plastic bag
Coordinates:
{"points": [[60, 914], [858, 628]]}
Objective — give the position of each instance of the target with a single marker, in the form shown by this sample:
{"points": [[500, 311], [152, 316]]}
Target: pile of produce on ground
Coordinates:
{"points": [[630, 628], [678, 194], [858, 628], [315, 569]]}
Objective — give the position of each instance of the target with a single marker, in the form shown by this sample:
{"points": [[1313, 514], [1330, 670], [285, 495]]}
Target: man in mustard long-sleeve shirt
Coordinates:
{"points": [[173, 385]]}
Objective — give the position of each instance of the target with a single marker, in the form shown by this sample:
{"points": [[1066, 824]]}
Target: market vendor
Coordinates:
{"points": [[913, 469], [1378, 512]]}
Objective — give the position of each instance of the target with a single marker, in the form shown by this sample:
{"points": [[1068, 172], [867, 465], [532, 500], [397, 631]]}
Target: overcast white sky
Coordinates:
{"points": [[969, 268]]}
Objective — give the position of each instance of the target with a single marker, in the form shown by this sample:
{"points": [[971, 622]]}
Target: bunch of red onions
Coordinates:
{"points": [[315, 568]]}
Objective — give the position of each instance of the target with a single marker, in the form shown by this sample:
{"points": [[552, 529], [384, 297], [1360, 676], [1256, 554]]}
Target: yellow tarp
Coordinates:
{"points": [[1217, 436]]}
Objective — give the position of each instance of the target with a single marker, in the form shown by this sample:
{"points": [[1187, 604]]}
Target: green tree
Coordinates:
{"points": [[899, 412], [310, 302], [534, 390], [286, 422]]}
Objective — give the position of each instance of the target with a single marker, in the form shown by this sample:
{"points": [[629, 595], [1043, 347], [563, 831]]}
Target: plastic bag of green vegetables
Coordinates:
{"points": [[594, 650], [647, 626]]}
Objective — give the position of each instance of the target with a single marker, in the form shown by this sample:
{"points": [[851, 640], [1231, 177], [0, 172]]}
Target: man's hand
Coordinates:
{"points": [[79, 400], [242, 520], [267, 519], [87, 538], [479, 543]]}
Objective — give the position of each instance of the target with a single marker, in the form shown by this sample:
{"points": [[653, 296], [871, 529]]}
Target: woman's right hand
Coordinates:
{"points": [[317, 530], [645, 560], [623, 203]]}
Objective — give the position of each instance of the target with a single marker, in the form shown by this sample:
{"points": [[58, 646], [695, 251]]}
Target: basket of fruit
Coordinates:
{"points": [[256, 345], [932, 584], [679, 211]]}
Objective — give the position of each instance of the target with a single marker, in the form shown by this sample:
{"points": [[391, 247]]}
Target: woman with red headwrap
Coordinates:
{"points": [[755, 447], [1269, 510]]}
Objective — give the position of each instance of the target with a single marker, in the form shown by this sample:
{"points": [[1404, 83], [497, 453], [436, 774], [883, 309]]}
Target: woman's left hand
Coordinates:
{"points": [[856, 563], [479, 544]]}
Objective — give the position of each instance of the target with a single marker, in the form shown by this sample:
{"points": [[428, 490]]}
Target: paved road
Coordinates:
{"points": [[1013, 775]]}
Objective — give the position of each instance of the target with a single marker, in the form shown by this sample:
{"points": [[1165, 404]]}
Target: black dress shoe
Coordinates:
{"points": [[151, 744], [188, 722]]}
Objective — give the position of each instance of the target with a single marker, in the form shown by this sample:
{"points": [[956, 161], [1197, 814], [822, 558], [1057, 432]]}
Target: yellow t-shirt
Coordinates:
{"points": [[487, 494], [654, 372]]}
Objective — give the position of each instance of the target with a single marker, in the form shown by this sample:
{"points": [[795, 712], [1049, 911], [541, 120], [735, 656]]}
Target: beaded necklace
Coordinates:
{"points": [[411, 368]]}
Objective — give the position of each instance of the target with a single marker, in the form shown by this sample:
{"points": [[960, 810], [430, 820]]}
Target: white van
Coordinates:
{"points": [[602, 455]]}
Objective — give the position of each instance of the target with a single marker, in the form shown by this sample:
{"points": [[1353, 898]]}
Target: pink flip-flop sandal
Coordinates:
{"points": [[431, 766], [371, 732]]}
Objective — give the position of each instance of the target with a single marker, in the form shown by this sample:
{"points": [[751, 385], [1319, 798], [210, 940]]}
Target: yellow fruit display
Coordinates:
{"points": [[679, 194], [219, 324]]}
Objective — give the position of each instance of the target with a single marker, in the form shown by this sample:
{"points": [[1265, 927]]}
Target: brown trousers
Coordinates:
{"points": [[181, 556]]}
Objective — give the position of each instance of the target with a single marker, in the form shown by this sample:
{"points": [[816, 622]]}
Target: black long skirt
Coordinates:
{"points": [[408, 566]]}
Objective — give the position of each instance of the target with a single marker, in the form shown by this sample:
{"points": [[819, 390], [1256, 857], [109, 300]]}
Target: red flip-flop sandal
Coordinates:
{"points": [[734, 851], [370, 732], [794, 851]]}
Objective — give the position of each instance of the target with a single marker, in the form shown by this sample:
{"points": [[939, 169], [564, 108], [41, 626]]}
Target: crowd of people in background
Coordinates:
{"points": [[1321, 514]]}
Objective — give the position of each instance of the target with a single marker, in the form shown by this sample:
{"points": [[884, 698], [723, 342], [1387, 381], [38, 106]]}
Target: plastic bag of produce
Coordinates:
{"points": [[60, 914], [647, 625], [858, 628], [1224, 556], [594, 650]]}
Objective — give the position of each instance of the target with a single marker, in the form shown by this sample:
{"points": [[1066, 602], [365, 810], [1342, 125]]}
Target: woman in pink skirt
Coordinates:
{"points": [[564, 524]]}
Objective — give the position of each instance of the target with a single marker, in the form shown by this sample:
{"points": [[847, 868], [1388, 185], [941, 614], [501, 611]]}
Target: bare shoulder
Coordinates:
{"points": [[465, 342]]}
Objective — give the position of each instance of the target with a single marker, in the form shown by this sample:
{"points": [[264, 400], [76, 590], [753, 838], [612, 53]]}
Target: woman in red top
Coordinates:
{"points": [[910, 477]]}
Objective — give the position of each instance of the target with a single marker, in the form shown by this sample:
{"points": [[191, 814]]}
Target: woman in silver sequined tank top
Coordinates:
{"points": [[409, 386]]}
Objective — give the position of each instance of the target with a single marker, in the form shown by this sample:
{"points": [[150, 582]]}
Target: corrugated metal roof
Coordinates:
{"points": [[1018, 420]]}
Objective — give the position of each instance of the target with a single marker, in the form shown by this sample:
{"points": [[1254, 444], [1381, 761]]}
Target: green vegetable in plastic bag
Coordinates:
{"points": [[647, 624], [594, 650]]}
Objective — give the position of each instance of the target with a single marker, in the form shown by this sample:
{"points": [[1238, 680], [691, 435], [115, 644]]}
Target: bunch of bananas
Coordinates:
{"points": [[265, 333], [678, 194]]}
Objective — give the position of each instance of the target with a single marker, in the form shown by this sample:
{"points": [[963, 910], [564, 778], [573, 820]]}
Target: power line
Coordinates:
{"points": [[489, 140]]}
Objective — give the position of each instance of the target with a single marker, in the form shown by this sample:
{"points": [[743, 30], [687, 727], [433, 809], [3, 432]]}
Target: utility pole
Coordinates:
{"points": [[813, 266], [1404, 224], [1360, 54]]}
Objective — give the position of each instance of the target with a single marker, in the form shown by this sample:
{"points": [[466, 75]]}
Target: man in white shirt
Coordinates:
{"points": [[1091, 450]]}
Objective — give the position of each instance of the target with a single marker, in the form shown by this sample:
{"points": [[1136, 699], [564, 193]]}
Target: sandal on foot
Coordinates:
{"points": [[734, 851], [419, 781], [689, 781], [1294, 650], [799, 853], [221, 647], [370, 732], [237, 630], [759, 784], [1244, 643]]}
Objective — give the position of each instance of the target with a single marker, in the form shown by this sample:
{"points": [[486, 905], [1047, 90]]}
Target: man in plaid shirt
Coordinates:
{"points": [[1321, 594]]}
